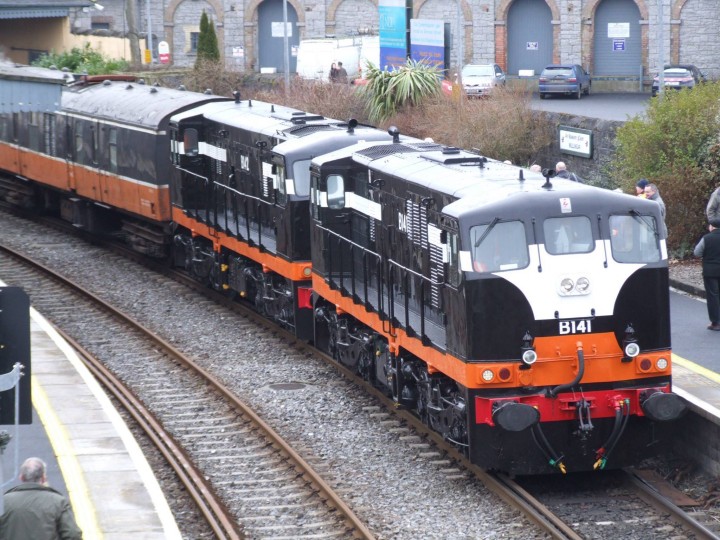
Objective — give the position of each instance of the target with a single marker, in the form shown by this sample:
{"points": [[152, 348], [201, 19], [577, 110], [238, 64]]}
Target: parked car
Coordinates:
{"points": [[678, 76], [567, 79], [479, 79]]}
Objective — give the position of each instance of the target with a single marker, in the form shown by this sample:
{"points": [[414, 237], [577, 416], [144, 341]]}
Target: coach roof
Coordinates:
{"points": [[132, 103]]}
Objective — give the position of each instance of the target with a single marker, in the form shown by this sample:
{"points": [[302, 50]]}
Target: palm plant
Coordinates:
{"points": [[409, 85]]}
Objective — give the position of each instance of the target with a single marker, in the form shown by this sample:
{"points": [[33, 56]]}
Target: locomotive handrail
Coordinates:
{"points": [[421, 276], [355, 244]]}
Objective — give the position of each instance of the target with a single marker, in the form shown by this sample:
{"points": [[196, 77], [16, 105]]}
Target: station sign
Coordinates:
{"points": [[575, 141]]}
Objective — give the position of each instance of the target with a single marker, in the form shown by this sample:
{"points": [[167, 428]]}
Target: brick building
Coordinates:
{"points": [[616, 40]]}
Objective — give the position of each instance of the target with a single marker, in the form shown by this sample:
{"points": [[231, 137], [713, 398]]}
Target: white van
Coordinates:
{"points": [[316, 56]]}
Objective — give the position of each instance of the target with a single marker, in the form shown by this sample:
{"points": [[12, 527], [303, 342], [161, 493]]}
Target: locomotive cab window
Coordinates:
{"points": [[301, 176], [281, 197], [499, 246], [454, 273], [336, 191], [634, 239], [566, 235], [190, 142]]}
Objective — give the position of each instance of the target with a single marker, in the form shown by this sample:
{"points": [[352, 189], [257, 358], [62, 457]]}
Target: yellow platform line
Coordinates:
{"points": [[78, 493], [692, 366]]}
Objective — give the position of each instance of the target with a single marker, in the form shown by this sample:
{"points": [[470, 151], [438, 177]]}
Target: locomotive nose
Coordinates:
{"points": [[662, 407]]}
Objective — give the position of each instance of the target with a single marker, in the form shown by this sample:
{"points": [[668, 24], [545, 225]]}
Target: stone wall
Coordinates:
{"points": [[593, 170]]}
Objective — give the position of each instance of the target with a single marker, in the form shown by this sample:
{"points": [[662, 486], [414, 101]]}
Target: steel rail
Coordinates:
{"points": [[358, 528]]}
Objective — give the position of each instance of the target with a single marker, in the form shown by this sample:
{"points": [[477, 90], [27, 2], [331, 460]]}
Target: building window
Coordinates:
{"points": [[100, 25], [194, 38]]}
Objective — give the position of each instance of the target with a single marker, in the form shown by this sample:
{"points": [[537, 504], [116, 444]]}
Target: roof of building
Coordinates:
{"points": [[11, 71], [37, 9]]}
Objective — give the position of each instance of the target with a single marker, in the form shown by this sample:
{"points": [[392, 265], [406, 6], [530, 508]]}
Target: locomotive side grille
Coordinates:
{"points": [[437, 273]]}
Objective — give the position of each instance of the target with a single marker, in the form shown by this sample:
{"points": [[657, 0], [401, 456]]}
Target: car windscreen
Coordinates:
{"points": [[552, 72], [675, 72], [478, 71]]}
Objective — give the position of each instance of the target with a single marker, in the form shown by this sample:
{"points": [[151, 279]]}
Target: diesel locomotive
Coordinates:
{"points": [[523, 317]]}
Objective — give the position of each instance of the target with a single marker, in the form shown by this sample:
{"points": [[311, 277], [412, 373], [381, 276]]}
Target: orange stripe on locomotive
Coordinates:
{"points": [[557, 356]]}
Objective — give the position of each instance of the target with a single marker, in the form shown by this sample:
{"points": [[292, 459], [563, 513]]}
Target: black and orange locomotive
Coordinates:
{"points": [[525, 318]]}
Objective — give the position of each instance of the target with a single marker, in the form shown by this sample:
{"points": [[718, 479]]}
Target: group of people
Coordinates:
{"points": [[708, 248], [561, 171], [338, 74]]}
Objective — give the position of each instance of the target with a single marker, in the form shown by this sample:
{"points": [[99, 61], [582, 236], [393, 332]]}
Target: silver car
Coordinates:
{"points": [[479, 79]]}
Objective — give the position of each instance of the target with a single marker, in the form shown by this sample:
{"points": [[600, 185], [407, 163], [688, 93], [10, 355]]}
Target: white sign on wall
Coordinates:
{"points": [[618, 30], [575, 141], [276, 29]]}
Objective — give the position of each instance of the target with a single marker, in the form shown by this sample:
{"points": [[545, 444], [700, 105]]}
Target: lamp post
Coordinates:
{"points": [[661, 48], [286, 52]]}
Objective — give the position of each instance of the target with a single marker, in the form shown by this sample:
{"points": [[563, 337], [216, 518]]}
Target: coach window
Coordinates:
{"points": [[95, 146], [634, 239], [79, 144], [112, 143], [566, 235], [4, 127], [33, 135], [499, 246], [336, 191], [49, 134]]}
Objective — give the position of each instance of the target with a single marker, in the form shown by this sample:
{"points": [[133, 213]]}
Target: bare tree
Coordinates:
{"points": [[132, 33]]}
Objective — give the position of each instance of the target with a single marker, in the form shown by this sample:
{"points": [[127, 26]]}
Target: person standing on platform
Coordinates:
{"points": [[709, 249], [34, 510]]}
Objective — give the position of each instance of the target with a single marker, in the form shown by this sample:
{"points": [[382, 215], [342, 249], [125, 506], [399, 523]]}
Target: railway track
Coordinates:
{"points": [[426, 444], [261, 486]]}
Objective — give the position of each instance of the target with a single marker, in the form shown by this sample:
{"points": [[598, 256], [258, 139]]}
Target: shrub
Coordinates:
{"points": [[390, 91], [675, 145], [339, 101], [207, 46], [503, 126], [85, 60]]}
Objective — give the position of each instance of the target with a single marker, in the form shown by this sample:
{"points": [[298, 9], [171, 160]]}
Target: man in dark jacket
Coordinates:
{"points": [[562, 172], [36, 511], [709, 249]]}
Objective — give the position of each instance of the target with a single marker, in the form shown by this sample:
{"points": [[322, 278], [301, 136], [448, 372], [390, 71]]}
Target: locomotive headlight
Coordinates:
{"points": [[661, 363], [566, 285], [582, 284], [632, 349], [488, 375], [529, 357]]}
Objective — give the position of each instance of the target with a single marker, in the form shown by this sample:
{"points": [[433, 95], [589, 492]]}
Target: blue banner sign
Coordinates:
{"points": [[427, 41], [393, 33]]}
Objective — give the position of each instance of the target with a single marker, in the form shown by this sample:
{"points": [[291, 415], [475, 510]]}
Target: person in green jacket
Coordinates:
{"points": [[34, 510]]}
